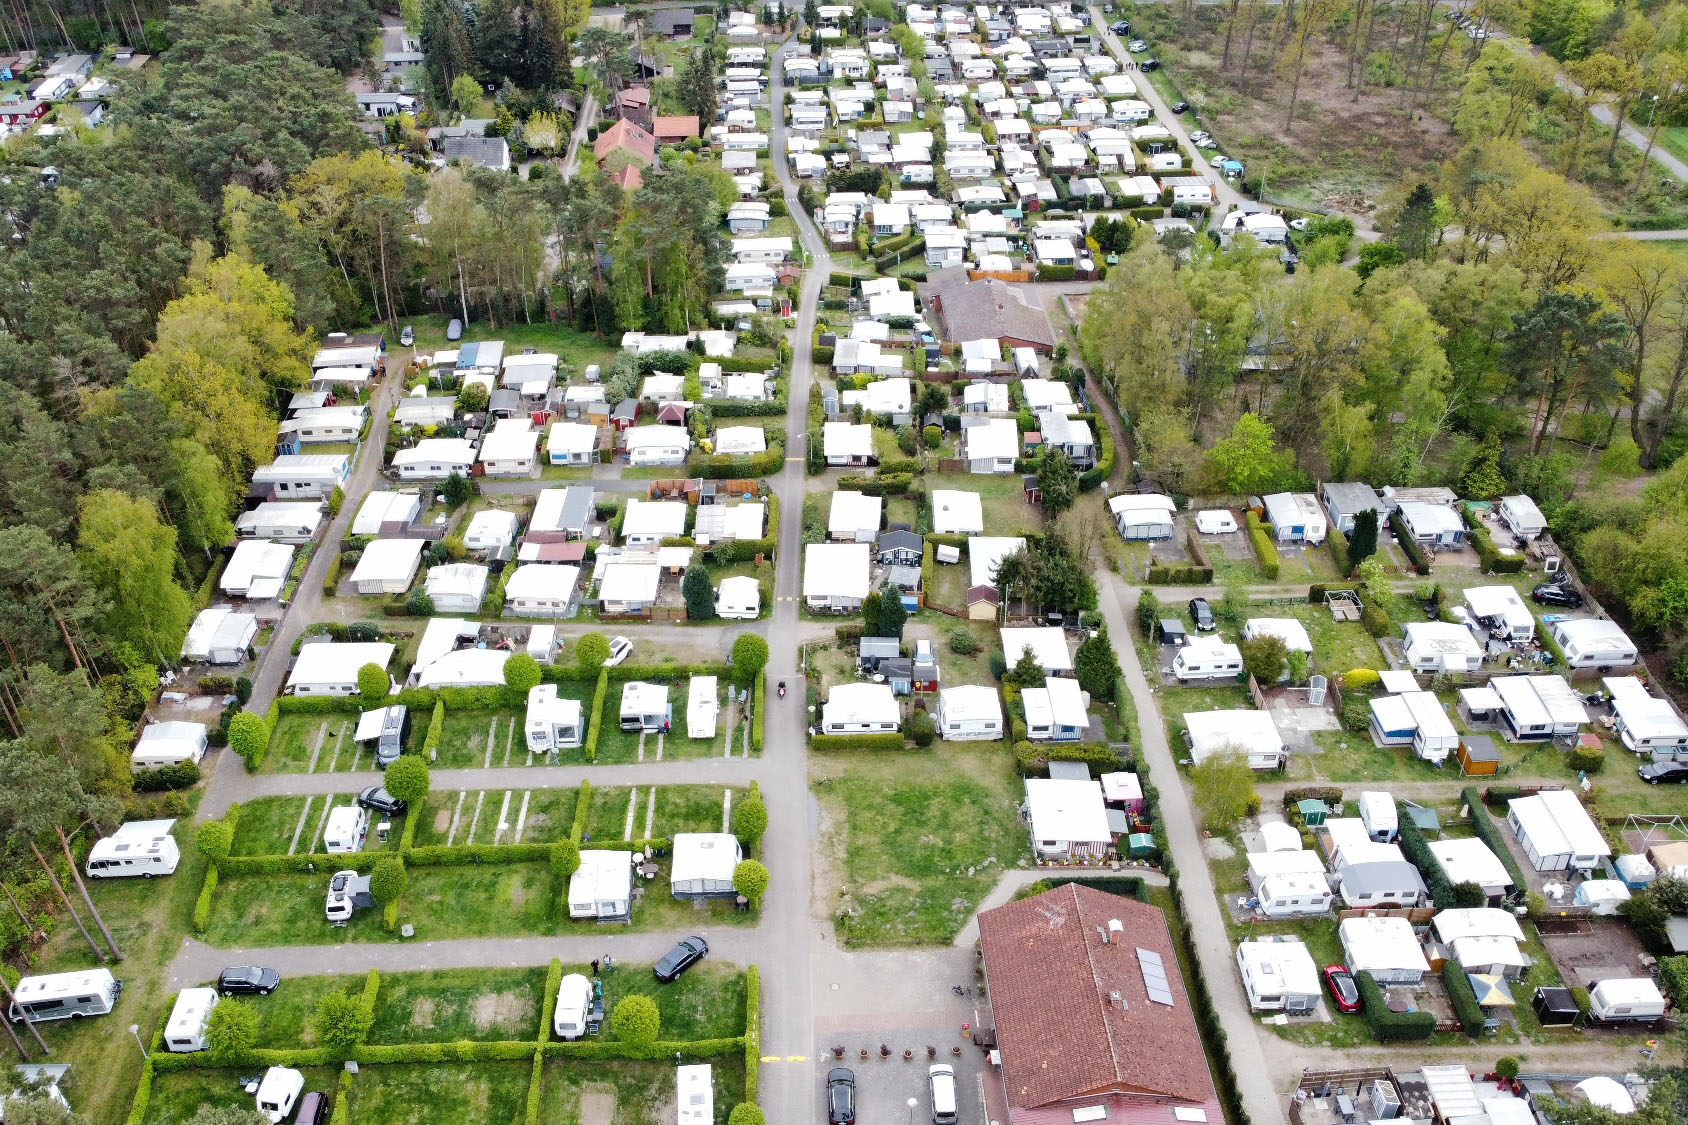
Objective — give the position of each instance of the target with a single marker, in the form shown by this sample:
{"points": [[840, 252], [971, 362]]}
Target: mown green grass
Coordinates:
{"points": [[617, 746], [492, 1093], [295, 737], [1000, 494], [456, 1004], [178, 1095], [919, 839], [679, 808], [641, 1092], [575, 350], [265, 826], [465, 737], [285, 1015]]}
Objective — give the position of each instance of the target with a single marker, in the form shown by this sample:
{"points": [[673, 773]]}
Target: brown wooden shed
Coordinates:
{"points": [[1478, 756]]}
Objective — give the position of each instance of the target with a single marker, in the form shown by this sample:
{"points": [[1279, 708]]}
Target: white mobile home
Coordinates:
{"points": [[1142, 516], [1056, 712], [552, 722], [694, 1093], [278, 1091], [1626, 999], [854, 517], [1278, 974], [1556, 832], [644, 707], [1469, 860], [1295, 517], [60, 996], [703, 865], [1207, 657], [1501, 611], [1414, 718], [860, 708], [491, 530], [1385, 947], [703, 706], [185, 1030], [140, 847], [656, 445], [257, 570], [381, 510], [511, 449], [220, 635], [739, 598], [602, 886], [646, 523], [282, 520], [169, 744], [574, 1004], [1643, 722], [456, 587], [1521, 516], [1287, 629], [1436, 526], [331, 667], [1440, 646], [572, 443], [1589, 642], [435, 459], [1068, 818], [968, 713], [303, 476], [836, 576], [1252, 734], [346, 829], [1537, 708], [387, 566], [541, 590], [1289, 884]]}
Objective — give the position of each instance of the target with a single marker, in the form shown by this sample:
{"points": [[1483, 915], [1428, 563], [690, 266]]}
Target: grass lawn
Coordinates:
{"points": [[575, 349], [621, 746], [297, 737], [679, 808], [284, 1016], [467, 735], [550, 815], [266, 826], [493, 1093], [900, 509], [627, 1092], [485, 1004], [1235, 572], [949, 584], [916, 840], [1000, 494], [1337, 645], [178, 1095], [284, 910], [706, 1003]]}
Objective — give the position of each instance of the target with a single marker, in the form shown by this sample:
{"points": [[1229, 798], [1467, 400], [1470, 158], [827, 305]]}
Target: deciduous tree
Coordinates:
{"points": [[635, 1020], [1222, 788]]}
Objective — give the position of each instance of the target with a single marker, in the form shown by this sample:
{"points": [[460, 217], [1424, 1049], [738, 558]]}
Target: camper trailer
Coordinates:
{"points": [[574, 1006], [141, 847], [602, 886], [169, 744], [188, 1019], [347, 826], [1626, 1000], [63, 996], [1207, 658], [348, 892], [278, 1091]]}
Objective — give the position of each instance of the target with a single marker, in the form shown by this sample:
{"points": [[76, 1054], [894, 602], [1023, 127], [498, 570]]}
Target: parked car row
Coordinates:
{"points": [[940, 1095]]}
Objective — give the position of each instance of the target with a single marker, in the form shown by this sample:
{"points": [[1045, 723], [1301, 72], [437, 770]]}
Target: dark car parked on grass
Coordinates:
{"points": [[683, 956], [1664, 773], [247, 980], [1202, 614], [377, 799], [840, 1096]]}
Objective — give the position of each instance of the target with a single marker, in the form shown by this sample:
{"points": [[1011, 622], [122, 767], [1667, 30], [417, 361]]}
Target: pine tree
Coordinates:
{"points": [[698, 593], [1362, 541], [1096, 666], [1415, 226], [697, 86], [892, 616]]}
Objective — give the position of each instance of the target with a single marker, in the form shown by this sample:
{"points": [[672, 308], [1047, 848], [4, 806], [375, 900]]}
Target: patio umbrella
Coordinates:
{"points": [[1491, 989]]}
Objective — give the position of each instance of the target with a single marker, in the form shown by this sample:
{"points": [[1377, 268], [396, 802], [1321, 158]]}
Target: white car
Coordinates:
{"points": [[1298, 224], [1201, 139], [1136, 45], [1219, 159], [620, 649]]}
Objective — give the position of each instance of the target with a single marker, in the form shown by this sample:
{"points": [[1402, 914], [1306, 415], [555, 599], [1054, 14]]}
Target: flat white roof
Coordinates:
{"points": [[656, 437], [860, 703], [1304, 862], [542, 580], [852, 512], [985, 553], [629, 582], [1481, 921], [847, 439], [1557, 824], [571, 437], [1441, 636], [1469, 860], [468, 579], [840, 570], [466, 667], [1286, 961], [443, 451], [1502, 602], [258, 568], [337, 662], [1048, 645], [1589, 632], [384, 507], [511, 439], [1645, 716], [388, 560], [704, 855], [1375, 944], [956, 513], [970, 702], [1248, 732], [662, 518], [994, 438], [1067, 810], [1287, 629]]}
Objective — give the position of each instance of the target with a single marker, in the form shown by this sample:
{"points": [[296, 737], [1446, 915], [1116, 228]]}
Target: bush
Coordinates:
{"points": [[1338, 544], [1493, 562], [232, 1029], [1462, 997], [214, 838], [882, 741], [636, 1021], [521, 672], [591, 650], [750, 656], [1387, 1026], [921, 729], [340, 1022], [1361, 678], [1409, 546], [1264, 549], [159, 778], [1586, 761], [1033, 758], [746, 1113], [750, 819], [565, 858], [962, 642], [1376, 621], [407, 779], [249, 736], [387, 880], [1180, 575]]}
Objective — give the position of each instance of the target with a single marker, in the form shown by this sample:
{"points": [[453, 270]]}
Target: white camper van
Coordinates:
{"points": [[346, 828], [574, 1004], [278, 1091], [189, 1018], [63, 996], [141, 847]]}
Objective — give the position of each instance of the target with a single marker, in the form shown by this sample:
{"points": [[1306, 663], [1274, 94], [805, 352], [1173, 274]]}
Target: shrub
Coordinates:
{"points": [[962, 642], [340, 1022], [387, 880], [521, 672], [436, 731], [1338, 544], [1462, 997], [232, 1029], [1586, 761], [565, 858], [407, 779], [214, 838], [921, 729], [1387, 1026], [886, 740], [372, 684], [1264, 549], [750, 819], [249, 736], [750, 656], [183, 776], [636, 1021], [591, 650], [750, 879], [1361, 678], [1033, 758], [1356, 713], [202, 904], [746, 1113], [1409, 546], [1376, 621]]}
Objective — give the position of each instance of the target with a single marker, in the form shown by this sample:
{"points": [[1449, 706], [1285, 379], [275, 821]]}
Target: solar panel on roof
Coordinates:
{"points": [[1154, 976]]}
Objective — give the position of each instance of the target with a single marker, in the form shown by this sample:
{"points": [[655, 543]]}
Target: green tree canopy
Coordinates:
{"points": [[750, 819], [750, 656], [248, 735], [232, 1029], [750, 879], [521, 674], [636, 1020], [1222, 787], [565, 858], [387, 880], [213, 839], [407, 779], [698, 592], [1264, 657], [372, 684], [340, 1022], [591, 650], [1096, 666], [1057, 483]]}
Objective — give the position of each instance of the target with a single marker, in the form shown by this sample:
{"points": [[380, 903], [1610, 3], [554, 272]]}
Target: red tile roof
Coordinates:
{"points": [[627, 136], [628, 177], [1052, 979], [674, 128]]}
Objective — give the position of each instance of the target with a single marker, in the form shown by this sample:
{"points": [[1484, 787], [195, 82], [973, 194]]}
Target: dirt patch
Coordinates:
{"points": [[442, 820], [668, 1110], [890, 882], [500, 1009], [597, 1104], [422, 1014], [518, 895]]}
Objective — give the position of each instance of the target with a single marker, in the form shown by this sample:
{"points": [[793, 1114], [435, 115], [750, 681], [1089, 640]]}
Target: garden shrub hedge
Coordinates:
{"points": [[1034, 757], [888, 740], [1387, 1026], [752, 1030], [160, 778], [1462, 997], [582, 811], [1180, 575], [1409, 546], [1417, 850], [1264, 549], [1484, 825], [596, 721], [1094, 476], [1493, 562], [1338, 544], [1376, 620]]}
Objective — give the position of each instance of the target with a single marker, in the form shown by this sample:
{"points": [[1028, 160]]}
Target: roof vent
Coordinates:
{"points": [[1115, 926], [1116, 999]]}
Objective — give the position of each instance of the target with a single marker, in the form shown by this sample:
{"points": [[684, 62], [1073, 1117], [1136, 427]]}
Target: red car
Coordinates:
{"points": [[1343, 991]]}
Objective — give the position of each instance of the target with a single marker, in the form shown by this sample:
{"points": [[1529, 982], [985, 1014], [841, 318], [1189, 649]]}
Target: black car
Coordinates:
{"points": [[1664, 773], [1180, 107], [1120, 27], [247, 980], [1149, 64], [682, 957], [377, 799], [840, 1096], [1202, 614], [1557, 593]]}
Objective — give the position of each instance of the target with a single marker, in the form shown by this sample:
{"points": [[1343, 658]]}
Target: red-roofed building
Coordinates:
{"points": [[625, 136], [634, 104], [673, 130], [1092, 1017], [628, 178]]}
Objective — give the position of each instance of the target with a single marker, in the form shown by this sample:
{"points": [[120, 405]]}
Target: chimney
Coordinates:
{"points": [[1115, 926], [1116, 999], [1103, 934]]}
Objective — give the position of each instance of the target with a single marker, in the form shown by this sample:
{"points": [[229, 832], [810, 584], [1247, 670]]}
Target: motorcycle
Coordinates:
{"points": [[782, 689]]}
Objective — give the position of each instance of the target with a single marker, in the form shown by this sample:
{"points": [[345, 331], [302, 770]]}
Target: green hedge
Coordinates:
{"points": [[436, 731], [548, 999], [663, 1049], [1376, 620], [582, 811], [1462, 997], [463, 1050], [1264, 549], [1094, 476], [143, 1094], [1484, 825], [1387, 1026], [1180, 575], [752, 1030], [342, 1100], [1409, 546], [597, 717], [1338, 544], [1493, 562], [759, 695], [890, 484], [1034, 757], [1417, 850], [884, 741], [1046, 272], [202, 904]]}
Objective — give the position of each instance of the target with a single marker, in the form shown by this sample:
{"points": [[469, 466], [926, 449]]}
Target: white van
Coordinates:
{"points": [[63, 996], [141, 847], [1215, 521], [278, 1091], [347, 826], [574, 1001], [189, 1018], [940, 1084]]}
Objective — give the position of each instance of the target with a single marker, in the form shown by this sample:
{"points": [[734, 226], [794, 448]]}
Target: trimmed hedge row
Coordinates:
{"points": [[663, 1049], [752, 1030], [1484, 825], [1264, 549], [1462, 997], [436, 731], [1031, 757], [759, 695], [595, 722], [548, 999], [1094, 476], [890, 484], [884, 741], [1180, 575], [582, 811], [1409, 546], [1483, 543], [1417, 850], [1387, 1026], [1338, 544]]}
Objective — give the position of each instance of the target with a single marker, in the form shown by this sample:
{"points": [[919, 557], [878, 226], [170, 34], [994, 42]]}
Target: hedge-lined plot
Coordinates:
{"points": [[678, 808]]}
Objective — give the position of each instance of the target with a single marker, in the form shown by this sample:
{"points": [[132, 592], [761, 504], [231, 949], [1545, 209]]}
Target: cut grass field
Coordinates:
{"points": [[618, 747], [441, 1094], [456, 1004], [678, 808], [178, 1095], [550, 816], [627, 1092], [575, 349], [469, 734], [1000, 494], [266, 826], [910, 856], [297, 737]]}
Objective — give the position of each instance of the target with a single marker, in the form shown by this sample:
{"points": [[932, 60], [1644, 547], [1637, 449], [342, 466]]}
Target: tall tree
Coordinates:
{"points": [[1562, 345], [129, 556], [1057, 483], [697, 89]]}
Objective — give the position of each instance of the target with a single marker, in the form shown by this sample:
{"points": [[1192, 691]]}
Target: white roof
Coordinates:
{"points": [[656, 437], [703, 704], [1392, 714], [1278, 836], [388, 560], [1294, 509], [641, 698], [956, 513], [1288, 962], [1441, 636], [216, 628], [860, 703], [1378, 944], [1287, 629], [836, 570], [1377, 810], [741, 590], [1066, 810], [1557, 824], [603, 876], [511, 439], [992, 439], [629, 582], [1142, 502], [571, 437], [491, 528], [336, 662], [1540, 699], [372, 721], [662, 518], [968, 702], [286, 513], [443, 451], [1121, 787], [1469, 860], [741, 439], [466, 667], [542, 581], [1205, 648], [1045, 394], [1048, 645], [169, 732], [439, 637], [1644, 715], [847, 439], [385, 507], [1607, 1092], [257, 569], [1249, 732], [704, 855], [984, 553], [1523, 511], [1502, 602], [1432, 518], [1398, 680], [1452, 1090], [1304, 862], [1481, 921], [1593, 633], [853, 511]]}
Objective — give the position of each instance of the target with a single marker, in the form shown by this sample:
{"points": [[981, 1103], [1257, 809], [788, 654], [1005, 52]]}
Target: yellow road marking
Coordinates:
{"points": [[770, 1058], [796, 1058]]}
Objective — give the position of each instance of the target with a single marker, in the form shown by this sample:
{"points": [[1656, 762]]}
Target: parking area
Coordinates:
{"points": [[886, 1086]]}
